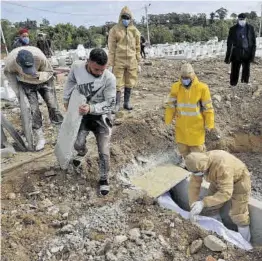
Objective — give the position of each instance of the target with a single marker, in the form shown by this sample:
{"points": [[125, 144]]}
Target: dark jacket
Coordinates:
{"points": [[18, 43], [45, 47], [235, 52]]}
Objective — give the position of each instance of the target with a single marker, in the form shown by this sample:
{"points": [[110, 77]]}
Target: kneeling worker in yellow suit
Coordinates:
{"points": [[229, 179], [189, 103]]}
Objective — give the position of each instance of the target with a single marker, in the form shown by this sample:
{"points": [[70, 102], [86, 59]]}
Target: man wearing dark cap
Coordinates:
{"points": [[29, 67], [22, 39], [241, 49]]}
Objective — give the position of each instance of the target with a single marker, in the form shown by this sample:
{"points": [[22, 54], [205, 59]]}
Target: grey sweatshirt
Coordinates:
{"points": [[100, 92]]}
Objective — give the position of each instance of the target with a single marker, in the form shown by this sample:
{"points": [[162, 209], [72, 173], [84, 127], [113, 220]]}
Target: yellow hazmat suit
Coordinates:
{"points": [[229, 179], [124, 52], [192, 109]]}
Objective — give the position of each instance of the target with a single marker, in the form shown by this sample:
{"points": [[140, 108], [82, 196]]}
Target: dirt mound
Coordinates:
{"points": [[49, 214]]}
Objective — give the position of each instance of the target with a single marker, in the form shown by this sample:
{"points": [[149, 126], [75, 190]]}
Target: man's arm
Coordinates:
{"points": [[69, 86], [112, 47], [109, 102], [254, 46], [170, 105], [229, 46], [194, 189], [138, 46], [208, 111], [225, 186]]}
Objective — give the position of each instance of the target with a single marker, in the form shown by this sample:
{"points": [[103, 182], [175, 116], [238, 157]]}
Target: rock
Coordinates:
{"points": [[56, 249], [149, 233], [210, 258], [147, 225], [148, 63], [50, 173], [67, 229], [45, 203], [172, 224], [134, 234], [228, 104], [196, 246], [120, 239], [134, 194], [221, 259], [214, 243], [163, 241], [142, 159], [11, 196], [111, 257], [65, 215], [217, 97], [53, 210], [178, 220]]}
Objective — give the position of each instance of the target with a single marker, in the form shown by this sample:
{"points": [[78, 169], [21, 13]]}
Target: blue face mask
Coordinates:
{"points": [[25, 40], [125, 22], [186, 82]]}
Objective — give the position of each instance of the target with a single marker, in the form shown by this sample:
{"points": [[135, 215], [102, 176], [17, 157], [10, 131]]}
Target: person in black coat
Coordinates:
{"points": [[241, 49], [142, 46]]}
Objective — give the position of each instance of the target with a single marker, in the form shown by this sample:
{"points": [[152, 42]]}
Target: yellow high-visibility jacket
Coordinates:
{"points": [[193, 111], [124, 44]]}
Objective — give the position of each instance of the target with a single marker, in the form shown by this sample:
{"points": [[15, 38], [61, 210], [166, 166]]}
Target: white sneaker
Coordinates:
{"points": [[40, 139]]}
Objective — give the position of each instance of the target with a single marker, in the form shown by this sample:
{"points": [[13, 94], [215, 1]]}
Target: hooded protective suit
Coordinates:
{"points": [[124, 51], [192, 109], [229, 179]]}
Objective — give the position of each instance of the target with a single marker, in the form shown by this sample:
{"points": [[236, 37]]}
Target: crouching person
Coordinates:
{"points": [[229, 179], [28, 68], [98, 85]]}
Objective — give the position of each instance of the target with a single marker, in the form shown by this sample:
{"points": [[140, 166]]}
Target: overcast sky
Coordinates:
{"points": [[98, 12]]}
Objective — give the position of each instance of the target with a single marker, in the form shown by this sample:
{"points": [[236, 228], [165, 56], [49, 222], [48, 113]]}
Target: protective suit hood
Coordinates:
{"points": [[125, 10], [197, 162]]}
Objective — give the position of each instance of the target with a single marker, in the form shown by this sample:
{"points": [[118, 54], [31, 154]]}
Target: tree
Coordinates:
{"points": [[212, 17], [233, 15], [222, 13]]}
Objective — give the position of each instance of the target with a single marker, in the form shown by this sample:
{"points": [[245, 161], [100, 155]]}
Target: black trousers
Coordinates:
{"points": [[101, 126], [142, 52], [46, 90], [235, 68]]}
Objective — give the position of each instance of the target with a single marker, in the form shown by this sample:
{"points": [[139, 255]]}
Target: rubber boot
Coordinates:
{"points": [[245, 232], [118, 100], [40, 139], [127, 95]]}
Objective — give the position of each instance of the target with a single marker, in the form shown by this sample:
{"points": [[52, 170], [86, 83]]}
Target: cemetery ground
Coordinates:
{"points": [[50, 214]]}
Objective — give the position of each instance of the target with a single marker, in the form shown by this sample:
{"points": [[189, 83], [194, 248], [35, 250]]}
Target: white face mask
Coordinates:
{"points": [[242, 22], [198, 174]]}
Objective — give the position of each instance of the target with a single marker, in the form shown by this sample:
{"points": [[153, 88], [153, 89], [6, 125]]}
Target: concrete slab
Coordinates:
{"points": [[180, 196], [160, 179], [69, 129]]}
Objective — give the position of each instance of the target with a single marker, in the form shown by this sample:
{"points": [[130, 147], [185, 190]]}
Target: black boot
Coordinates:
{"points": [[118, 99], [127, 95]]}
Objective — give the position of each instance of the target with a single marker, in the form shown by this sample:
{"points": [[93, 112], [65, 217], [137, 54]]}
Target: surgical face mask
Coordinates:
{"points": [[186, 82], [125, 22], [242, 22], [198, 174], [25, 40]]}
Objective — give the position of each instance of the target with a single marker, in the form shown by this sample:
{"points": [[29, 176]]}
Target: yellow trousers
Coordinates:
{"points": [[184, 149]]}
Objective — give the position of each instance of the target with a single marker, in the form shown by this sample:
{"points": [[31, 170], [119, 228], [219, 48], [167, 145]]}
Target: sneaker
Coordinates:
{"points": [[103, 187]]}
